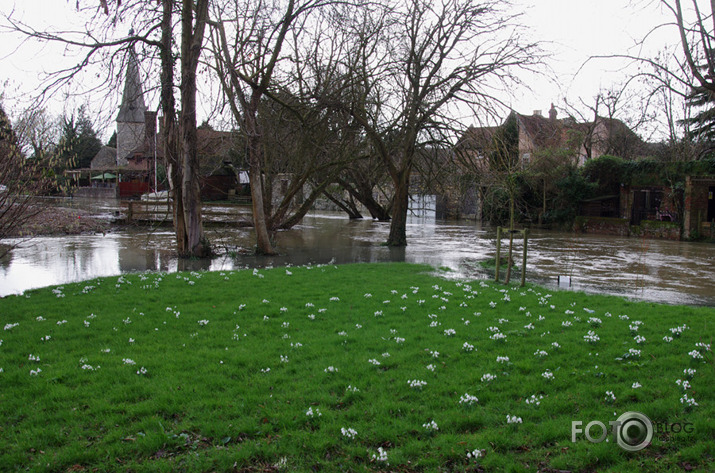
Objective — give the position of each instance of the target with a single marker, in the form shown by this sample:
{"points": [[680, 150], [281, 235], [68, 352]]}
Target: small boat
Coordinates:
{"points": [[160, 196]]}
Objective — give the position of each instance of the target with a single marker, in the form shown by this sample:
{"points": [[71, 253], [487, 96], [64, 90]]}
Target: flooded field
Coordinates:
{"points": [[662, 271]]}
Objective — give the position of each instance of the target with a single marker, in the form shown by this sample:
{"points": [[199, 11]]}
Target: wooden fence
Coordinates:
{"points": [[162, 212]]}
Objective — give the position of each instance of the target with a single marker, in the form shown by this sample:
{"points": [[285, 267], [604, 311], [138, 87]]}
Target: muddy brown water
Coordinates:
{"points": [[655, 270]]}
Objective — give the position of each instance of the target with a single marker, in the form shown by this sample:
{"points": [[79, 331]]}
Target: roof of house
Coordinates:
{"points": [[106, 158]]}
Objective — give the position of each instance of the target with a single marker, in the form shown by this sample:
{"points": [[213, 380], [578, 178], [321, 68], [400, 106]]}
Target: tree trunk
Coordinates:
{"points": [[398, 226], [191, 41], [255, 176], [168, 129]]}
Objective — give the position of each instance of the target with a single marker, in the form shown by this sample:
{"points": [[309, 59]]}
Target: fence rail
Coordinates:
{"points": [[162, 211]]}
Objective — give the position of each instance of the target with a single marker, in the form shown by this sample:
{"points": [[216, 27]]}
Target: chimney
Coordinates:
{"points": [[552, 113], [537, 113]]}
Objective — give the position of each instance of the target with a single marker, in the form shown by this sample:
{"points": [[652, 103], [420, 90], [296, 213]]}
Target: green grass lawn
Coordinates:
{"points": [[366, 367]]}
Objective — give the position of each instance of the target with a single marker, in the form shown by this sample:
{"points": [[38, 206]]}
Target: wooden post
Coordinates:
{"points": [[497, 261], [130, 212], [523, 260]]}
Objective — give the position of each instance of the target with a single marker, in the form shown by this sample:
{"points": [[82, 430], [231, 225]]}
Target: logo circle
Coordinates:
{"points": [[634, 431]]}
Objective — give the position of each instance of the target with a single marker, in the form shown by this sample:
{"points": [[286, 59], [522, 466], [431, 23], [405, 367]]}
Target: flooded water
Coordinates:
{"points": [[662, 271]]}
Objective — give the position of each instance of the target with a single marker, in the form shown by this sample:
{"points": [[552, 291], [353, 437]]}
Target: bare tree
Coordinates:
{"points": [[153, 27], [248, 41], [411, 63], [20, 183]]}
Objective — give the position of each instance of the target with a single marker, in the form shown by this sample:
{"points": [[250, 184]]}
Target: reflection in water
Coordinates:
{"points": [[664, 271]]}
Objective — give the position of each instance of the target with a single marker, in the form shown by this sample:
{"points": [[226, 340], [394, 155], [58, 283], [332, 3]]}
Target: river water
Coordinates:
{"points": [[655, 270]]}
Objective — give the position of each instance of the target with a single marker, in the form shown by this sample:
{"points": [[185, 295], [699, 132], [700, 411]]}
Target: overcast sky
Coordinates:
{"points": [[572, 31]]}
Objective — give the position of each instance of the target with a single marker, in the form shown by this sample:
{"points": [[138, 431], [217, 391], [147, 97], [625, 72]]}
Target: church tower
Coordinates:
{"points": [[130, 120]]}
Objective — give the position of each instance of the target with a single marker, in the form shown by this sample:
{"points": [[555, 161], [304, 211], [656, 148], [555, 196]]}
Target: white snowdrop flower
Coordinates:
{"points": [[373, 361], [668, 339], [534, 400], [42, 339], [566, 323], [434, 323], [399, 340], [128, 361], [695, 355], [265, 370], [381, 455], [689, 372], [529, 327], [266, 318], [61, 322], [385, 302], [548, 375], [468, 399], [311, 413], [683, 384], [142, 371], [284, 359], [474, 454], [35, 372], [688, 401], [541, 317], [639, 339], [467, 346], [610, 397], [86, 323], [203, 322], [311, 316], [492, 304], [421, 302], [435, 354], [502, 359], [358, 326], [352, 389], [367, 295], [430, 367], [623, 317], [106, 350], [513, 419], [704, 346], [288, 273], [40, 318], [503, 321], [540, 353], [636, 385], [285, 324], [450, 332], [131, 340], [591, 337], [488, 377], [568, 312], [385, 355], [522, 309], [498, 336], [556, 345], [378, 313], [416, 383], [349, 432], [431, 426], [331, 369]]}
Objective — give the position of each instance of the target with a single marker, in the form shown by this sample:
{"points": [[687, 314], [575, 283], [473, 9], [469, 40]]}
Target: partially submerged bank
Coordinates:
{"points": [[346, 368], [53, 221]]}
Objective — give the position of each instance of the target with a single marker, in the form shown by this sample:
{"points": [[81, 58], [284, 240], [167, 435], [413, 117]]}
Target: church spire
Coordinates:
{"points": [[132, 108]]}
